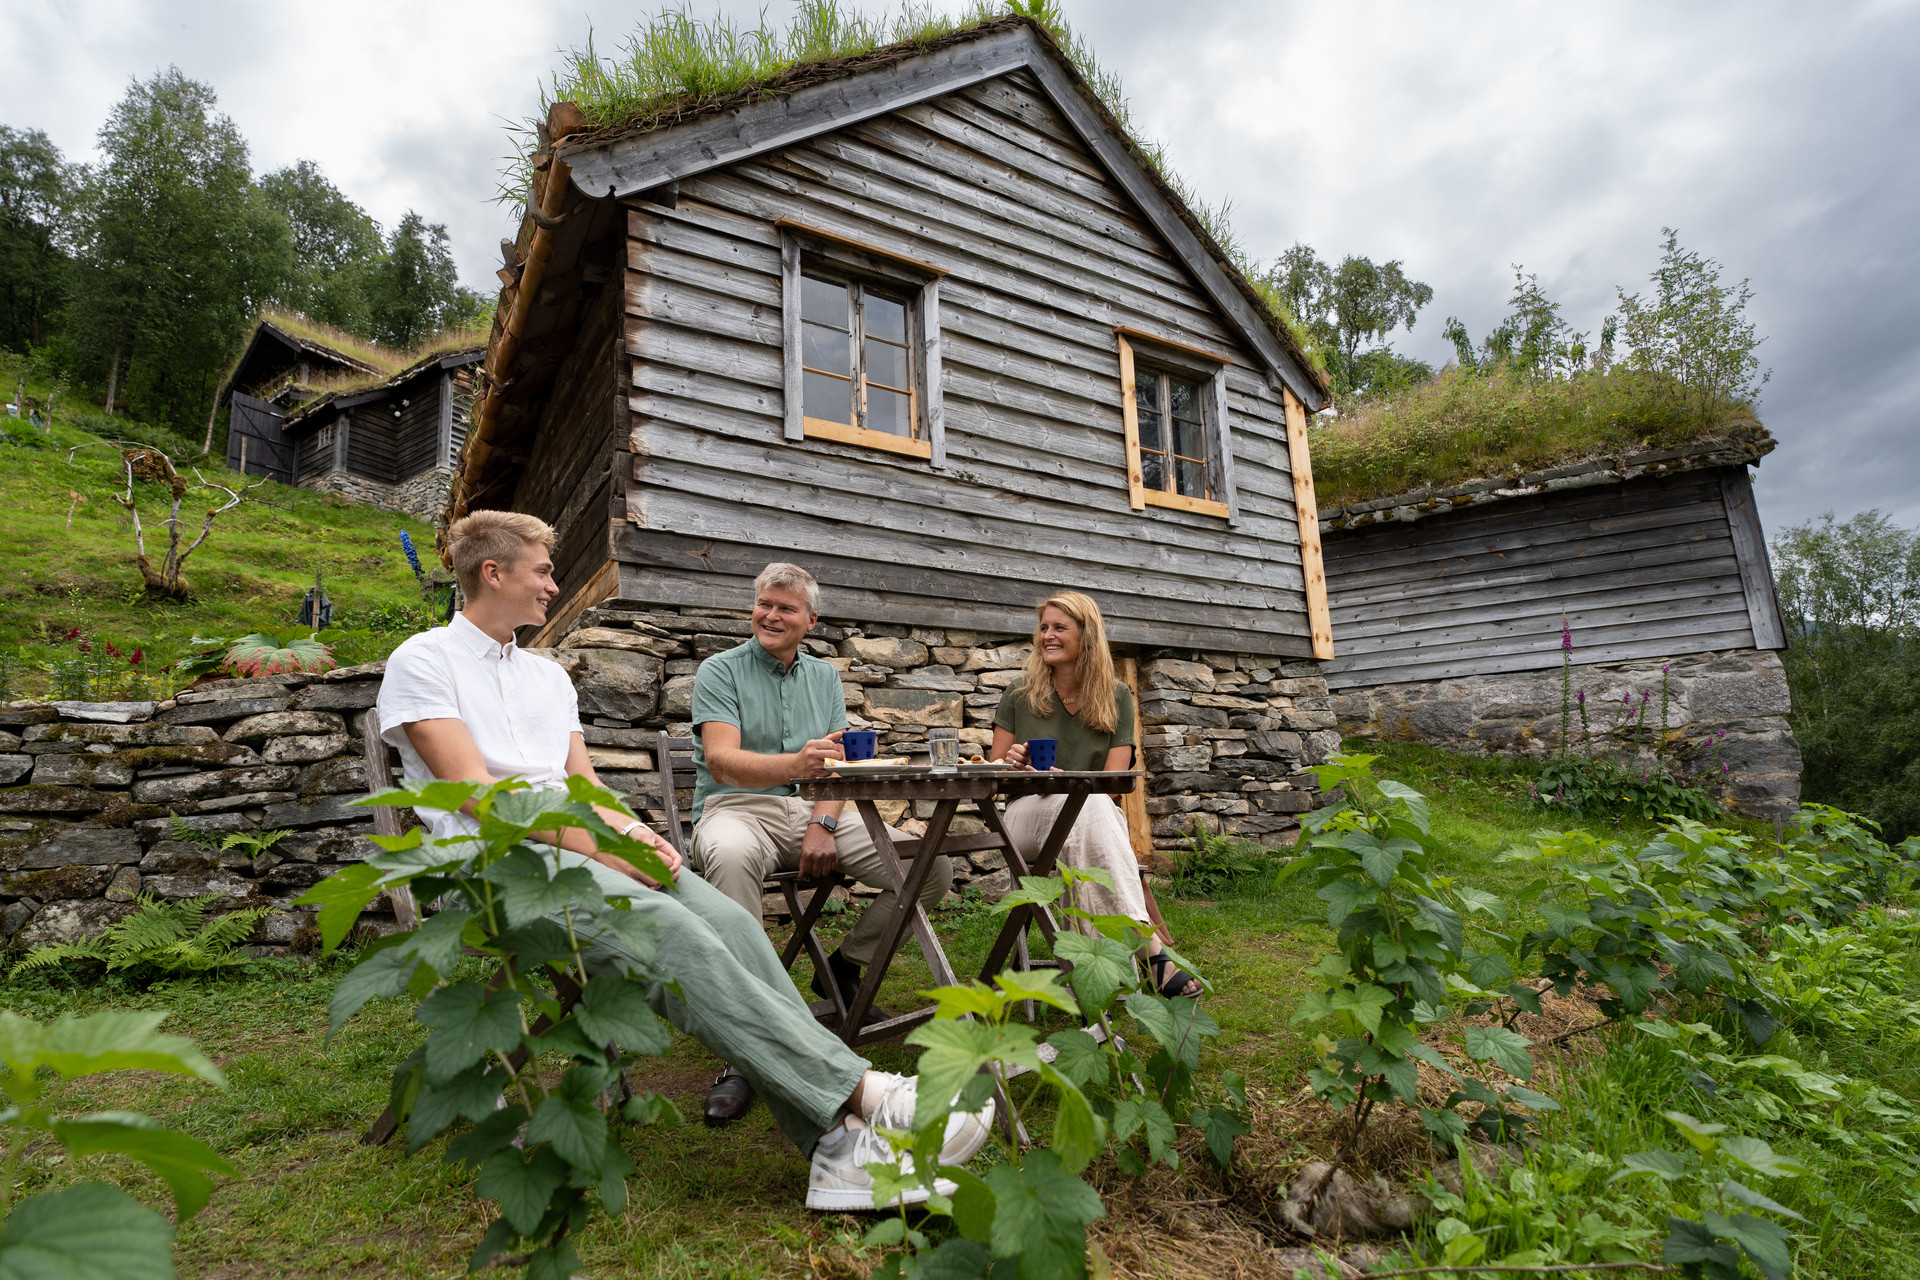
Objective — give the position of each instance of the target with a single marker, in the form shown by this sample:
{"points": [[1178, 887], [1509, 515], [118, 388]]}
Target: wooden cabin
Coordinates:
{"points": [[276, 370], [1449, 605], [927, 323], [390, 444]]}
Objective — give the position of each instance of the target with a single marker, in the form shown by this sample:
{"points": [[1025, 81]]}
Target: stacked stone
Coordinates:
{"points": [[1228, 740], [1743, 694], [1226, 737], [90, 794]]}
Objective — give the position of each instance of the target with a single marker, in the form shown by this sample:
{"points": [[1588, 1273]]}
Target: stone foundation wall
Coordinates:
{"points": [[424, 497], [1742, 694], [90, 792], [1226, 737]]}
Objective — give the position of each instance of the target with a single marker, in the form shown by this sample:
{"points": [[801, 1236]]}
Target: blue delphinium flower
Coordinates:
{"points": [[413, 557]]}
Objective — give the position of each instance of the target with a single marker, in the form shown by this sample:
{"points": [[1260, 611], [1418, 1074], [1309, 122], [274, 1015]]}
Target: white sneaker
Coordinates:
{"points": [[966, 1132], [839, 1178]]}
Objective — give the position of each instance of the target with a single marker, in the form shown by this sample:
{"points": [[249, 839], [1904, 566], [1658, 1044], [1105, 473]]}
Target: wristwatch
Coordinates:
{"points": [[826, 820]]}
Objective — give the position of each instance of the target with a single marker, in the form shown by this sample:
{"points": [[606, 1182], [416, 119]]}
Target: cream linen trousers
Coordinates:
{"points": [[1098, 839]]}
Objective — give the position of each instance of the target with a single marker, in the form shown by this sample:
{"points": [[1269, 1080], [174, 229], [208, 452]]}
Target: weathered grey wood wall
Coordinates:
{"points": [[1648, 568], [568, 481], [418, 425], [1046, 256]]}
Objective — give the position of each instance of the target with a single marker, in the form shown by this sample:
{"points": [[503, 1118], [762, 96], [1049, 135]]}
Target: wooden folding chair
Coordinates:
{"points": [[677, 774]]}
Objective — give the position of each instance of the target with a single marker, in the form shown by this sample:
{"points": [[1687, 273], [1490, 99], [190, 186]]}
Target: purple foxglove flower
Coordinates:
{"points": [[1566, 637], [1646, 696], [1581, 697], [1665, 667]]}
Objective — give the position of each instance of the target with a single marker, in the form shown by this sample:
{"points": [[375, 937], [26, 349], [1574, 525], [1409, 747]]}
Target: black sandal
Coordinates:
{"points": [[1173, 985]]}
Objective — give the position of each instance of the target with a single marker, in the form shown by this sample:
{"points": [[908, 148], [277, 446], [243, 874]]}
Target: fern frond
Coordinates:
{"points": [[226, 932], [186, 833], [62, 953]]}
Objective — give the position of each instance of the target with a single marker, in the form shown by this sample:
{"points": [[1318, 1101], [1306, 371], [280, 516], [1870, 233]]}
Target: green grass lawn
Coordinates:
{"points": [[69, 559], [310, 1200]]}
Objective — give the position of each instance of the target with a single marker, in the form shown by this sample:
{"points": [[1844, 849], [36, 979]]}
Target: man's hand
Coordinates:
{"points": [[818, 852], [814, 757]]}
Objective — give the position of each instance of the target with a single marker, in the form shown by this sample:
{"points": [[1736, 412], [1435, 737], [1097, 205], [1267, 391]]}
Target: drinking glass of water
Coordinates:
{"points": [[943, 750]]}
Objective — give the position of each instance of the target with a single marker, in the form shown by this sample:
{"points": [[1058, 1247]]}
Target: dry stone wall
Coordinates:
{"points": [[1754, 768], [95, 797]]}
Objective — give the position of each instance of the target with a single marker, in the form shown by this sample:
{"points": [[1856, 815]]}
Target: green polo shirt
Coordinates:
{"points": [[1079, 745], [776, 708]]}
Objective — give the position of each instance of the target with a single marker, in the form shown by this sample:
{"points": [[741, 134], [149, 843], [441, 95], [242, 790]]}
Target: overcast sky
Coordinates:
{"points": [[1461, 139]]}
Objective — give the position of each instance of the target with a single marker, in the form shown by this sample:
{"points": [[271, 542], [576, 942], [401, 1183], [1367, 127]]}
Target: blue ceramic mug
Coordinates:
{"points": [[1040, 752], [860, 744]]}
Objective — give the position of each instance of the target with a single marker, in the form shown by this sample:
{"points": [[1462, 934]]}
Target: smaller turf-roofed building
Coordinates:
{"points": [[1448, 605], [388, 442], [278, 368]]}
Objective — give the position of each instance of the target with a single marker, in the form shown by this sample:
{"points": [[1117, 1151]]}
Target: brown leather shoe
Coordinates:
{"points": [[729, 1098]]}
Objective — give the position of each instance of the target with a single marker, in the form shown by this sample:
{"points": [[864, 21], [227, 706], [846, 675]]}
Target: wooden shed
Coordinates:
{"points": [[389, 442], [277, 369], [927, 322], [1449, 605]]}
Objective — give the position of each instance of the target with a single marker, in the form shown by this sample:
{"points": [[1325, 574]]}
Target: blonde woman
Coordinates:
{"points": [[1068, 693]]}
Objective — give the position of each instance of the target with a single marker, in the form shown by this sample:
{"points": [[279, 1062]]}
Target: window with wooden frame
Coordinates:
{"points": [[862, 344], [1174, 410]]}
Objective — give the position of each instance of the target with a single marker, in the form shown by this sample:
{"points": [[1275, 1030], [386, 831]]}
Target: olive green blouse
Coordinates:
{"points": [[1081, 747]]}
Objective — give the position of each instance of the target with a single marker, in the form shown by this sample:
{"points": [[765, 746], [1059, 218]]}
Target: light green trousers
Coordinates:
{"points": [[735, 999]]}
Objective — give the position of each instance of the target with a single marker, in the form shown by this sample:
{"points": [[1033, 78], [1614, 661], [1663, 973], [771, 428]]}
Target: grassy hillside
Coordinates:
{"points": [[69, 559]]}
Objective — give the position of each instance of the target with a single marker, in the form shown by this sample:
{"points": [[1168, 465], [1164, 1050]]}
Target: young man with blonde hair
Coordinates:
{"points": [[463, 702], [765, 713]]}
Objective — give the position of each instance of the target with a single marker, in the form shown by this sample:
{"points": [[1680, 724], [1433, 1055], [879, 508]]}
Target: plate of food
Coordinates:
{"points": [[979, 765], [867, 766]]}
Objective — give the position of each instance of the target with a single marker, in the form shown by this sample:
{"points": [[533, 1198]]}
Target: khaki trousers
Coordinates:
{"points": [[743, 837], [1098, 839]]}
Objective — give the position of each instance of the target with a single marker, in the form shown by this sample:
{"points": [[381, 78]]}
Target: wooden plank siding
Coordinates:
{"points": [[418, 427], [1644, 569], [373, 439], [569, 475], [1045, 258]]}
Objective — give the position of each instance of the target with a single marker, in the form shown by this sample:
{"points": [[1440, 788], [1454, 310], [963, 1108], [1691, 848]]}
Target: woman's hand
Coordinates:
{"points": [[668, 854]]}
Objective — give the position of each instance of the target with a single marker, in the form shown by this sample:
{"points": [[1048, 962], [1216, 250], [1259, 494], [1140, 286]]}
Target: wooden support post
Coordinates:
{"points": [[1134, 802], [1319, 619]]}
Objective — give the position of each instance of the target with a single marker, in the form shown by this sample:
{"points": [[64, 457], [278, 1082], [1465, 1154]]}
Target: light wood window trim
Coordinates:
{"points": [[1307, 512], [1214, 427], [840, 255], [845, 433]]}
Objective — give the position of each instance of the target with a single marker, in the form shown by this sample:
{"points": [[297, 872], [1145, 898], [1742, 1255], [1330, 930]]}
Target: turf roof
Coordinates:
{"points": [[676, 69]]}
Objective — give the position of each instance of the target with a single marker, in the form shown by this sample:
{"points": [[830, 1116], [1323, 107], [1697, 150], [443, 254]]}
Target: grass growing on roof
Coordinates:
{"points": [[674, 64], [1463, 425], [365, 350]]}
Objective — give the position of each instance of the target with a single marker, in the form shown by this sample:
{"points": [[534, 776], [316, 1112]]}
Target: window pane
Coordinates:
{"points": [[1153, 472], [1193, 478], [1186, 399], [824, 302], [888, 411], [824, 348], [828, 398], [886, 318], [886, 363], [1189, 439]]}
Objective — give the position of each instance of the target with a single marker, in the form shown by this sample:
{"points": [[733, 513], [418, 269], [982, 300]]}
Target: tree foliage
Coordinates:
{"points": [[1349, 310], [1850, 595], [139, 277], [35, 199]]}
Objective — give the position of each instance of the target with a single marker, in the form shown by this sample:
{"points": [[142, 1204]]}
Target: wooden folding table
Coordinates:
{"points": [[985, 790]]}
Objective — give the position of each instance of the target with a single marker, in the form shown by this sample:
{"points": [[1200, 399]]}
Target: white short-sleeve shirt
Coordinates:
{"points": [[520, 709]]}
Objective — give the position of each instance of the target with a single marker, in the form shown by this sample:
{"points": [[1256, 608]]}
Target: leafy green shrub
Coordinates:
{"points": [[1028, 1217], [160, 939], [92, 1229], [261, 653], [1711, 1244], [504, 900], [1211, 863], [1403, 956], [1587, 788]]}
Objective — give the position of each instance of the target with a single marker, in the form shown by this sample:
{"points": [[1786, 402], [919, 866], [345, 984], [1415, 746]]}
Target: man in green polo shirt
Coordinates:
{"points": [[764, 713]]}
